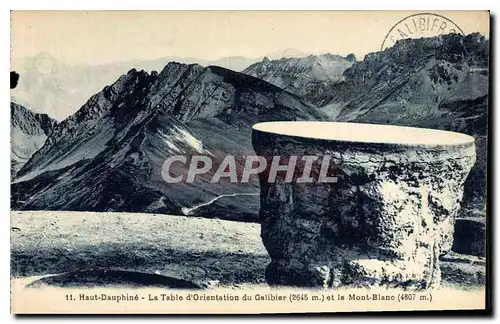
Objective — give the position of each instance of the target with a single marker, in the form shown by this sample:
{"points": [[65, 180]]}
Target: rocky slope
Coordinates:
{"points": [[28, 133], [109, 155], [308, 77], [439, 82]]}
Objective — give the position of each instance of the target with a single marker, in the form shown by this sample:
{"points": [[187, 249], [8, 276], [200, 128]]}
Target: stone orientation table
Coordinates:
{"points": [[384, 222]]}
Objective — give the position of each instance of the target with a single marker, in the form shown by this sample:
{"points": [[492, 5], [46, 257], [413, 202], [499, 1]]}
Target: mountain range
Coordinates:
{"points": [[108, 155], [49, 86]]}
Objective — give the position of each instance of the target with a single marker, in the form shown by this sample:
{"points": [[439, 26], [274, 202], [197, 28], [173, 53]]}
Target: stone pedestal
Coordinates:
{"points": [[387, 219]]}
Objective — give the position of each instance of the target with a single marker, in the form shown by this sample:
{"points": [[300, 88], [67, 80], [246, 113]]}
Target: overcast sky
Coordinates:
{"points": [[112, 36]]}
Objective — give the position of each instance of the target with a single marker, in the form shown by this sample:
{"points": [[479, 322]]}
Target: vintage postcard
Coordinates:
{"points": [[249, 162]]}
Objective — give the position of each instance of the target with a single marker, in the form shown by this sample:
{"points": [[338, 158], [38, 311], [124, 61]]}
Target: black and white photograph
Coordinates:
{"points": [[248, 162]]}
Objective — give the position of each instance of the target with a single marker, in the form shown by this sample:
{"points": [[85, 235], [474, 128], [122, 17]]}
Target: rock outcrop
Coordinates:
{"points": [[387, 219], [28, 133]]}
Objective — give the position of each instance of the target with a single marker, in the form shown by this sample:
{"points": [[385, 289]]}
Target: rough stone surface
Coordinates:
{"points": [[385, 222]]}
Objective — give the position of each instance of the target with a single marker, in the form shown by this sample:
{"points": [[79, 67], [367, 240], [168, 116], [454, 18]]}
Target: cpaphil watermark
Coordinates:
{"points": [[420, 25], [299, 169]]}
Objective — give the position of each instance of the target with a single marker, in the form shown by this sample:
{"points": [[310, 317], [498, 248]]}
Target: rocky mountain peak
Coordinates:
{"points": [[307, 76], [408, 54], [116, 144]]}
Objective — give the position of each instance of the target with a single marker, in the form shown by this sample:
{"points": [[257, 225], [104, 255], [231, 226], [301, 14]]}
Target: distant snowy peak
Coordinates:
{"points": [[286, 53], [42, 62]]}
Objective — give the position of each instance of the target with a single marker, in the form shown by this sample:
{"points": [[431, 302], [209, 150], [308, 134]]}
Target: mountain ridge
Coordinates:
{"points": [[58, 89], [109, 155], [308, 77]]}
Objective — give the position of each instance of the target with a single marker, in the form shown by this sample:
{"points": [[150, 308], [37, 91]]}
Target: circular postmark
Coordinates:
{"points": [[420, 25]]}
